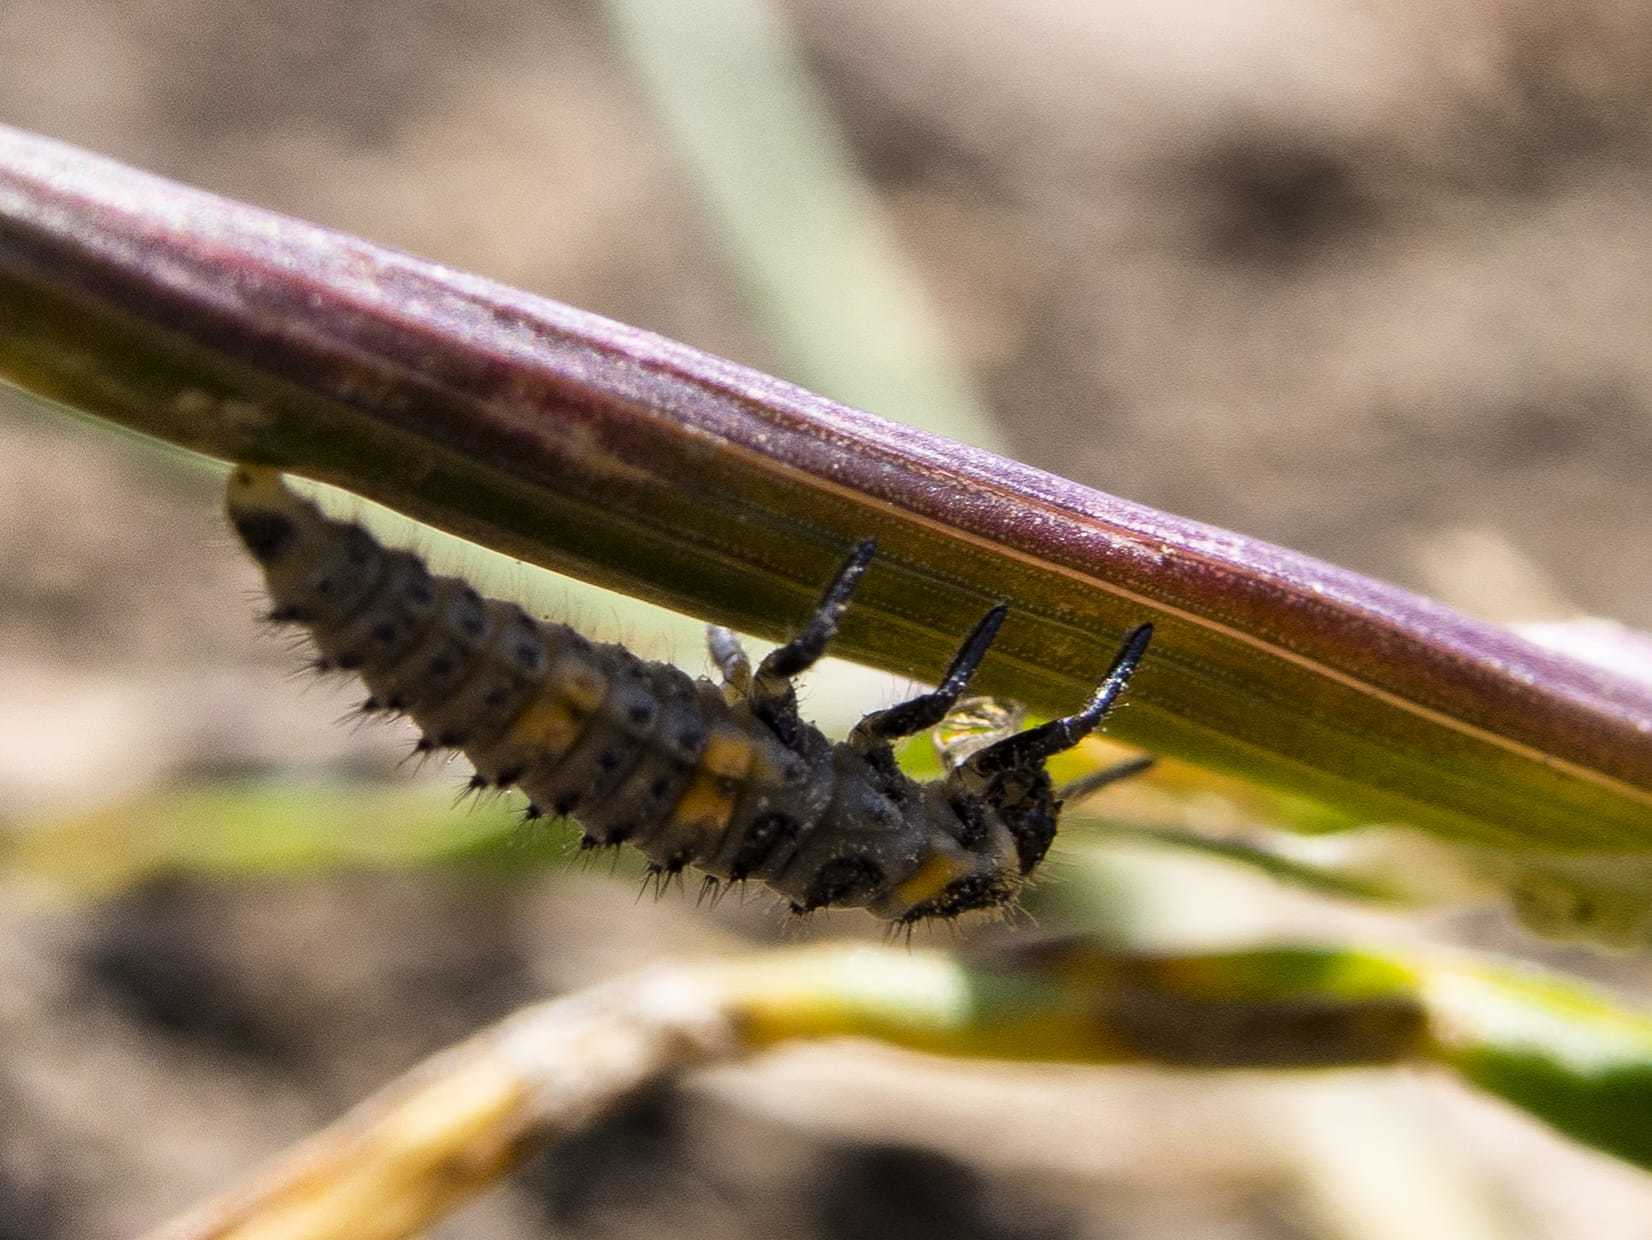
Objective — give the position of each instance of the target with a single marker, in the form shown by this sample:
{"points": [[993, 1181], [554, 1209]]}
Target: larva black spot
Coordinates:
{"points": [[770, 833], [268, 535], [1034, 831], [973, 825], [729, 779], [840, 881], [359, 549], [978, 891]]}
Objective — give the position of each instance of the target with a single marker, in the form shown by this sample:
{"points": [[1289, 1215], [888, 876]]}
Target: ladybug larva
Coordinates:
{"points": [[726, 778]]}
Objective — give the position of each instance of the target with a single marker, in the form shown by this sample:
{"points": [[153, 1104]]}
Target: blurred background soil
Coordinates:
{"points": [[1370, 281]]}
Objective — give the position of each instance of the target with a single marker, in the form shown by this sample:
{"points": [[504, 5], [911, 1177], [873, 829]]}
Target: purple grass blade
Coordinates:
{"points": [[641, 464]]}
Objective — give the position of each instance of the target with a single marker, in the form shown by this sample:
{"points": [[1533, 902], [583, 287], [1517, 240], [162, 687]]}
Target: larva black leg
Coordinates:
{"points": [[731, 660], [1095, 781], [772, 696], [1029, 749], [883, 726], [799, 654]]}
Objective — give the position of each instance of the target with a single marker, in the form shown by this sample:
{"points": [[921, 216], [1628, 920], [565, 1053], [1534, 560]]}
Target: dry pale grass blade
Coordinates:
{"points": [[462, 1119], [642, 464]]}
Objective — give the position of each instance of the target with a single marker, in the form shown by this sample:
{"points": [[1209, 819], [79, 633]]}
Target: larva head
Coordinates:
{"points": [[971, 863], [1009, 777], [313, 566], [1027, 803], [1007, 783]]}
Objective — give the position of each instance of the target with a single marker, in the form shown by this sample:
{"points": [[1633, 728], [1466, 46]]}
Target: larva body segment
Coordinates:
{"points": [[727, 778]]}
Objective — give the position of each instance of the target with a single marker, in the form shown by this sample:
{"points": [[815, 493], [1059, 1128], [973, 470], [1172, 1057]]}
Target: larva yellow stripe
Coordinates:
{"points": [[581, 684], [707, 803], [727, 754], [547, 724], [553, 721], [931, 878]]}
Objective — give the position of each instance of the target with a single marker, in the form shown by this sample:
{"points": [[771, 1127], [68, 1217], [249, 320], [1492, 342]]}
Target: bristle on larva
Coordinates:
{"points": [[726, 778]]}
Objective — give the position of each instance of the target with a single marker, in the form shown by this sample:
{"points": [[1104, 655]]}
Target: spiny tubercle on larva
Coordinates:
{"points": [[727, 777]]}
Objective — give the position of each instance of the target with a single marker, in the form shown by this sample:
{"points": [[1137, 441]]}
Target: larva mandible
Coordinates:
{"points": [[727, 778]]}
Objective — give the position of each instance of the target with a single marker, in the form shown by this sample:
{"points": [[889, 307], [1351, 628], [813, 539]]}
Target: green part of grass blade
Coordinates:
{"points": [[1563, 1053], [253, 829], [1567, 1055]]}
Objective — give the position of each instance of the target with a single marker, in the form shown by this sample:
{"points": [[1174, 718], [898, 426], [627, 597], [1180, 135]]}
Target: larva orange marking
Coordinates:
{"points": [[727, 778]]}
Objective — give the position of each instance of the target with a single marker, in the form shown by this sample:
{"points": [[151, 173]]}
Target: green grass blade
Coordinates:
{"points": [[1563, 1053], [252, 829]]}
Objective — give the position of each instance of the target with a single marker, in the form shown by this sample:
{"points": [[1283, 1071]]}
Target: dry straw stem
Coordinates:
{"points": [[462, 1119], [641, 464]]}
